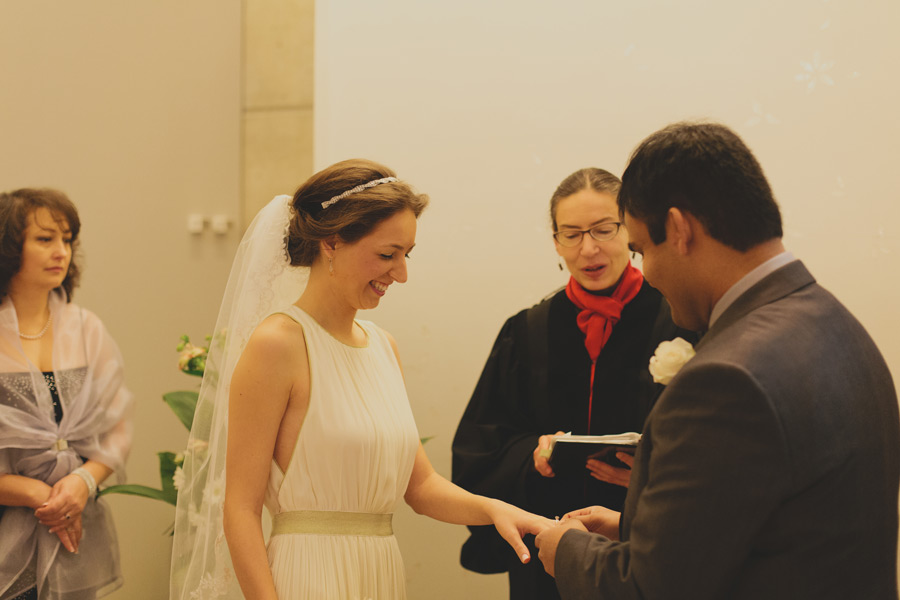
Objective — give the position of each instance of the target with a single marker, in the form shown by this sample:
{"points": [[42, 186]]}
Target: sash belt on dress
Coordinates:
{"points": [[324, 522]]}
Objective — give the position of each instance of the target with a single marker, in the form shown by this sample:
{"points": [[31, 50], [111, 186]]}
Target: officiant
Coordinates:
{"points": [[576, 362]]}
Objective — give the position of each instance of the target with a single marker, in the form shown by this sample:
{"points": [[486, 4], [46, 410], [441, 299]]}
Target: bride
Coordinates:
{"points": [[303, 409]]}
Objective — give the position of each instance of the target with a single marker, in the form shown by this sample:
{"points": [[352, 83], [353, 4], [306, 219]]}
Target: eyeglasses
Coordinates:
{"points": [[603, 232]]}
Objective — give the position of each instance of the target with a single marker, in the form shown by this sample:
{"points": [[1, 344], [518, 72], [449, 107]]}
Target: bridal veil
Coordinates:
{"points": [[261, 281]]}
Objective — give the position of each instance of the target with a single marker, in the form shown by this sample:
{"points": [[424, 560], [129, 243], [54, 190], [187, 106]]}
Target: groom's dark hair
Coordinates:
{"points": [[704, 169]]}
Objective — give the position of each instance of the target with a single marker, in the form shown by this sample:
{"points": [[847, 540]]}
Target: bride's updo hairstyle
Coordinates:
{"points": [[329, 204]]}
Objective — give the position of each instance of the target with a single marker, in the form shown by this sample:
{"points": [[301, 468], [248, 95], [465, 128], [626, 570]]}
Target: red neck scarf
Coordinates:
{"points": [[599, 314]]}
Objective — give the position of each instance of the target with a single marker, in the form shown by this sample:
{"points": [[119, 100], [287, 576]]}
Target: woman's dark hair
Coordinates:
{"points": [[707, 170], [352, 217], [15, 207], [592, 178]]}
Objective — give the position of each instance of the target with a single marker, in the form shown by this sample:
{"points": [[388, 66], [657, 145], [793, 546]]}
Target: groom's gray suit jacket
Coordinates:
{"points": [[768, 468]]}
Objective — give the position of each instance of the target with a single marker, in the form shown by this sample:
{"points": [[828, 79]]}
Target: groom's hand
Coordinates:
{"points": [[548, 540]]}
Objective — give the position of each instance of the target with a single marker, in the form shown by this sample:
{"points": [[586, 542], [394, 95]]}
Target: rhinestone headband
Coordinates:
{"points": [[359, 188]]}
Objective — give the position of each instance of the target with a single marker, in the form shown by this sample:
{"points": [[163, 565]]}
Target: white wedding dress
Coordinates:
{"points": [[354, 454]]}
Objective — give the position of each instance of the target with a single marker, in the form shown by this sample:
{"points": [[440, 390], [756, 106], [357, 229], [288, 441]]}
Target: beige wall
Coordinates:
{"points": [[277, 115], [486, 106], [144, 114], [133, 108]]}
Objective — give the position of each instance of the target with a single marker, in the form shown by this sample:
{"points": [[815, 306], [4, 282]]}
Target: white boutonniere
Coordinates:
{"points": [[668, 359]]}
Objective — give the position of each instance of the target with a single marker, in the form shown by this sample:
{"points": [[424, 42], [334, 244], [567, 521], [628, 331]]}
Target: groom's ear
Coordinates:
{"points": [[680, 230]]}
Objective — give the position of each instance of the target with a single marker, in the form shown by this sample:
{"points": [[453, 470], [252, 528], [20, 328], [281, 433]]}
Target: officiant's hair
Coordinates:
{"points": [[15, 207], [352, 216], [707, 170], [599, 180]]}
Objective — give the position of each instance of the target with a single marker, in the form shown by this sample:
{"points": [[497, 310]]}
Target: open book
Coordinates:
{"points": [[569, 453]]}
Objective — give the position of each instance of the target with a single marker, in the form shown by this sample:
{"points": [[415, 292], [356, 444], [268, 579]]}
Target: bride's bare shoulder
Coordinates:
{"points": [[276, 338]]}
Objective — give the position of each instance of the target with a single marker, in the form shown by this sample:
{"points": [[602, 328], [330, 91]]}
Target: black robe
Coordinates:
{"points": [[536, 382]]}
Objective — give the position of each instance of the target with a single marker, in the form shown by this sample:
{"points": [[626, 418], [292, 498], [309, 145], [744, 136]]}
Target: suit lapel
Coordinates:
{"points": [[786, 280]]}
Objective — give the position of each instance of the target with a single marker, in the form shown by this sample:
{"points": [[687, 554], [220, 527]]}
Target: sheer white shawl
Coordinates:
{"points": [[96, 425]]}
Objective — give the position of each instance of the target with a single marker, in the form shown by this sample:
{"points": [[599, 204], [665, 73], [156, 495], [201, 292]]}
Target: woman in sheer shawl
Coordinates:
{"points": [[64, 411], [303, 408]]}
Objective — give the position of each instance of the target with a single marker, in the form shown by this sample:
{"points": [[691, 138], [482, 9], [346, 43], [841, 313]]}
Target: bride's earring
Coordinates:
{"points": [[560, 263], [331, 265]]}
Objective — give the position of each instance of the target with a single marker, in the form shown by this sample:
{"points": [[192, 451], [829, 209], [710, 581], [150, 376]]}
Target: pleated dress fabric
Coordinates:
{"points": [[354, 453]]}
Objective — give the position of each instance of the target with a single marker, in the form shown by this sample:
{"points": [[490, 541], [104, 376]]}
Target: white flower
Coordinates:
{"points": [[178, 478], [195, 445], [815, 71], [214, 493], [188, 353], [759, 115], [195, 517], [668, 359]]}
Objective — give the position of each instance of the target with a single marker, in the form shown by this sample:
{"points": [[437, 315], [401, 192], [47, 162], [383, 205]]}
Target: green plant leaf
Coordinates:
{"points": [[167, 471], [183, 404], [141, 490]]}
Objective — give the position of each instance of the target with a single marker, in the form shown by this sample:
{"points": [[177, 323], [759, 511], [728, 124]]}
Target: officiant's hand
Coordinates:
{"points": [[541, 454], [548, 540], [606, 472]]}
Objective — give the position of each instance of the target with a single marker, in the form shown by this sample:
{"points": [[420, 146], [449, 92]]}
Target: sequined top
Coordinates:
{"points": [[28, 579], [70, 380], [50, 380]]}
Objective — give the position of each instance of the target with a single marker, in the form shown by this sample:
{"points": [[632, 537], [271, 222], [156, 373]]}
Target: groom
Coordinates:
{"points": [[769, 466]]}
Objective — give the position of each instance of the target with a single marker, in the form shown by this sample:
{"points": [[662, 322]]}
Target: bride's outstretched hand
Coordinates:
{"points": [[513, 523]]}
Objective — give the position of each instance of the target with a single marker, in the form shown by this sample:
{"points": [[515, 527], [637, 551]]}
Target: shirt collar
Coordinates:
{"points": [[748, 281]]}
